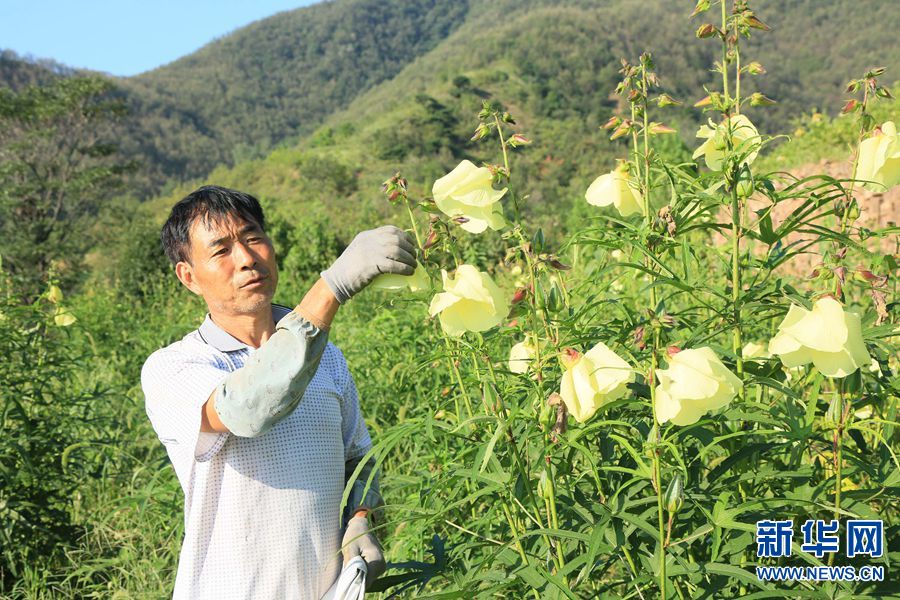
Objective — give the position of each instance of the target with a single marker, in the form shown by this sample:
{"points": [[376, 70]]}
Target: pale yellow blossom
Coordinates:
{"points": [[467, 191], [827, 336], [471, 301], [741, 133], [416, 282], [594, 379], [695, 383], [879, 159], [616, 188]]}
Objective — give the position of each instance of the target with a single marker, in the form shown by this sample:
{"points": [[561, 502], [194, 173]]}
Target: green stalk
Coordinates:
{"points": [[737, 334], [519, 546], [520, 465], [506, 162], [459, 381], [724, 53], [862, 134], [838, 443], [653, 355], [838, 451], [412, 220], [737, 79]]}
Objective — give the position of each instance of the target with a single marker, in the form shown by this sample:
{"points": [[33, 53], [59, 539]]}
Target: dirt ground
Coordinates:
{"points": [[877, 211]]}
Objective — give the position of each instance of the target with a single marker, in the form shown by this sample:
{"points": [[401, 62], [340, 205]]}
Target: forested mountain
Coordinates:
{"points": [[278, 79]]}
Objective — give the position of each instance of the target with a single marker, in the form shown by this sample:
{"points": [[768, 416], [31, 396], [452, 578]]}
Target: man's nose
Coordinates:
{"points": [[244, 258]]}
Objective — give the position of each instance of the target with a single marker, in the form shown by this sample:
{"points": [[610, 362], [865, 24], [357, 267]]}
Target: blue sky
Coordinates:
{"points": [[124, 37]]}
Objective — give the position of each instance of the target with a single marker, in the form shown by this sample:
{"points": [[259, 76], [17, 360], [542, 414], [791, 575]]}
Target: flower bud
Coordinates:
{"points": [[744, 185], [622, 130], [667, 100], [755, 23], [755, 68], [675, 495], [612, 122], [757, 99], [659, 129], [431, 240], [701, 7], [519, 295], [518, 139], [554, 300], [707, 30], [544, 486], [849, 107], [481, 131]]}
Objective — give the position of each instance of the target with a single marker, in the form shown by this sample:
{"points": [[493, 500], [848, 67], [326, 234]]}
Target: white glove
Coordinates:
{"points": [[359, 542], [387, 249]]}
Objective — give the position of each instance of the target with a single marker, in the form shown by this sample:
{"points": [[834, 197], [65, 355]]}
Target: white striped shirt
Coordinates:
{"points": [[261, 515]]}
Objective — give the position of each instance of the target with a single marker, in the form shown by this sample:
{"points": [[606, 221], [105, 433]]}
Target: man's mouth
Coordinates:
{"points": [[255, 281]]}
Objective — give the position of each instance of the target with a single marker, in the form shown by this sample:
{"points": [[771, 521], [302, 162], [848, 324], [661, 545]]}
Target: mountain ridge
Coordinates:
{"points": [[351, 63]]}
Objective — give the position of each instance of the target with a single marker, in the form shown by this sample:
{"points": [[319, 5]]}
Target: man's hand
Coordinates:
{"points": [[387, 249], [359, 542]]}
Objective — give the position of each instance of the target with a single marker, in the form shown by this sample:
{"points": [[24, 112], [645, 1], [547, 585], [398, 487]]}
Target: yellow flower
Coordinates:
{"points": [[591, 380], [416, 282], [826, 336], [755, 351], [745, 141], [616, 188], [695, 383], [62, 317], [54, 294], [879, 159], [467, 192], [520, 357], [471, 301]]}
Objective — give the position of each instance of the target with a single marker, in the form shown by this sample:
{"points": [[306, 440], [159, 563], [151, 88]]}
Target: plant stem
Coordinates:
{"points": [[724, 53], [653, 355], [519, 547], [862, 134], [412, 220], [459, 381], [523, 471], [838, 443], [838, 453], [737, 78], [506, 162], [736, 340]]}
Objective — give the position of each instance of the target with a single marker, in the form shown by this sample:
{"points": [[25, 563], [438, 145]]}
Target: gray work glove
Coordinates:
{"points": [[359, 542], [387, 249]]}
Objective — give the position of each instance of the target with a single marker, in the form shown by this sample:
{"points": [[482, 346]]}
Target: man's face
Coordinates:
{"points": [[232, 266]]}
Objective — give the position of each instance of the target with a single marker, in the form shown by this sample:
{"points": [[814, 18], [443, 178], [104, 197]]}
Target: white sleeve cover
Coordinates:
{"points": [[270, 385]]}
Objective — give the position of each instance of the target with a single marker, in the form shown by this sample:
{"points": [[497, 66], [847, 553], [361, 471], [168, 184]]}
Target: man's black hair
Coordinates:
{"points": [[213, 204]]}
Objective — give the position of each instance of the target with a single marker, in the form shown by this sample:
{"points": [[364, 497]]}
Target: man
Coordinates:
{"points": [[258, 412]]}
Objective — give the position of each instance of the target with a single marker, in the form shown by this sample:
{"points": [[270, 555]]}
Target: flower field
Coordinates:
{"points": [[619, 419]]}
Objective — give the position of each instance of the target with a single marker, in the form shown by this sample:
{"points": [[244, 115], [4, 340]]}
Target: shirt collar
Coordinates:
{"points": [[220, 339]]}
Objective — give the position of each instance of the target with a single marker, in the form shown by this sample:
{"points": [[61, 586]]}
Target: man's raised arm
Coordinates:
{"points": [[252, 399]]}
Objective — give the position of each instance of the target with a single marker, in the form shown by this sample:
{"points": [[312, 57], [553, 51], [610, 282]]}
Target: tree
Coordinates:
{"points": [[57, 166]]}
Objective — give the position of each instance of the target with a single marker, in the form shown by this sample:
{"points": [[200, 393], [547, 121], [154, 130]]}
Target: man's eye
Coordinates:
{"points": [[253, 240], [221, 252]]}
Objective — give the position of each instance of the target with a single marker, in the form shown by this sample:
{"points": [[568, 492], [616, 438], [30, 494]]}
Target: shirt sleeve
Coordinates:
{"points": [[353, 427], [175, 388]]}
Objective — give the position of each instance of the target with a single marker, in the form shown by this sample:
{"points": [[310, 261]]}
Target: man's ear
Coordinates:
{"points": [[185, 273]]}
